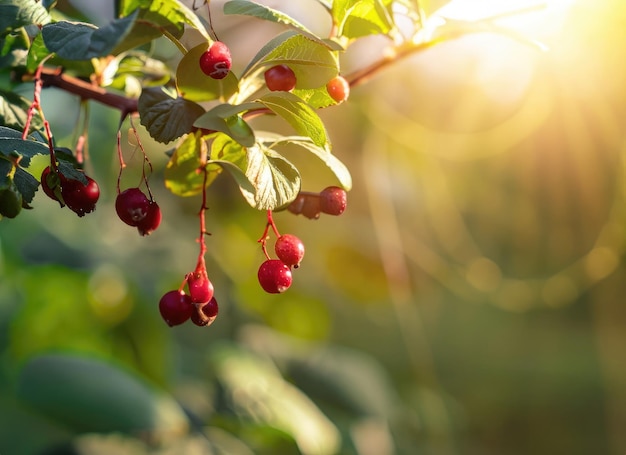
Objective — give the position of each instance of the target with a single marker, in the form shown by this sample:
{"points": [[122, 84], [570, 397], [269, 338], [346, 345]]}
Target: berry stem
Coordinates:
{"points": [[201, 215], [36, 105], [263, 239]]}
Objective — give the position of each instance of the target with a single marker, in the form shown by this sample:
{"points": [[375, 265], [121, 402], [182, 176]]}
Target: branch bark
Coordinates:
{"points": [[52, 77]]}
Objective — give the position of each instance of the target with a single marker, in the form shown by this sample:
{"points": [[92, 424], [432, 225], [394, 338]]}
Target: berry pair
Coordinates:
{"points": [[275, 275], [199, 305], [135, 209], [331, 200], [282, 78], [79, 197]]}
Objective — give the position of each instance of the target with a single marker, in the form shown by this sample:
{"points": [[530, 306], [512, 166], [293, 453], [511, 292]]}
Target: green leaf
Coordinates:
{"points": [[276, 181], [14, 49], [266, 179], [10, 146], [183, 175], [323, 153], [357, 18], [248, 8], [313, 63], [90, 395], [225, 118], [194, 85], [17, 13], [164, 13], [232, 157], [14, 111], [82, 41], [167, 118], [298, 114], [26, 184]]}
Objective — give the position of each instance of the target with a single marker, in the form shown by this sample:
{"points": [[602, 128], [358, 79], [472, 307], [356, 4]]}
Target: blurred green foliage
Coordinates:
{"points": [[469, 301]]}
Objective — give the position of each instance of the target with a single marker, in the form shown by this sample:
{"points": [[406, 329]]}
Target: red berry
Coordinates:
{"points": [[78, 197], [132, 206], [205, 315], [333, 200], [289, 249], [216, 61], [311, 207], [200, 287], [338, 89], [307, 204], [280, 78], [175, 307], [151, 221], [274, 276]]}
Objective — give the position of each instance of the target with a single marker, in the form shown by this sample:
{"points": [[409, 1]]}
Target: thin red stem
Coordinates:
{"points": [[201, 215], [263, 239]]}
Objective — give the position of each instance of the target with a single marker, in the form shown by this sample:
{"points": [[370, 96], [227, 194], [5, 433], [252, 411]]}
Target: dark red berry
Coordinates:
{"points": [[200, 287], [280, 78], [151, 221], [132, 206], [205, 315], [216, 61], [274, 276], [307, 204], [333, 200], [311, 206], [338, 89], [80, 198], [175, 307], [289, 249]]}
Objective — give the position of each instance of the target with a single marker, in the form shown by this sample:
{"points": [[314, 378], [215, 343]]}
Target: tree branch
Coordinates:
{"points": [[85, 90]]}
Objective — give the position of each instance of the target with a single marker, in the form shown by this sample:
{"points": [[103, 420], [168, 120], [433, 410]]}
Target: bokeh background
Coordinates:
{"points": [[470, 301]]}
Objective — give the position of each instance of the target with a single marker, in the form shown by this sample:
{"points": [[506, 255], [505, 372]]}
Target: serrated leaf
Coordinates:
{"points": [[164, 13], [357, 18], [194, 85], [26, 184], [276, 181], [183, 176], [17, 13], [165, 117], [225, 118], [14, 111], [323, 153], [298, 114], [26, 148], [70, 390], [83, 41]]}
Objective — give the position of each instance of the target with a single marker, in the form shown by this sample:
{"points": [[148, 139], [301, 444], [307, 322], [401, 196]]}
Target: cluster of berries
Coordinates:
{"points": [[331, 200], [275, 274], [199, 304]]}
